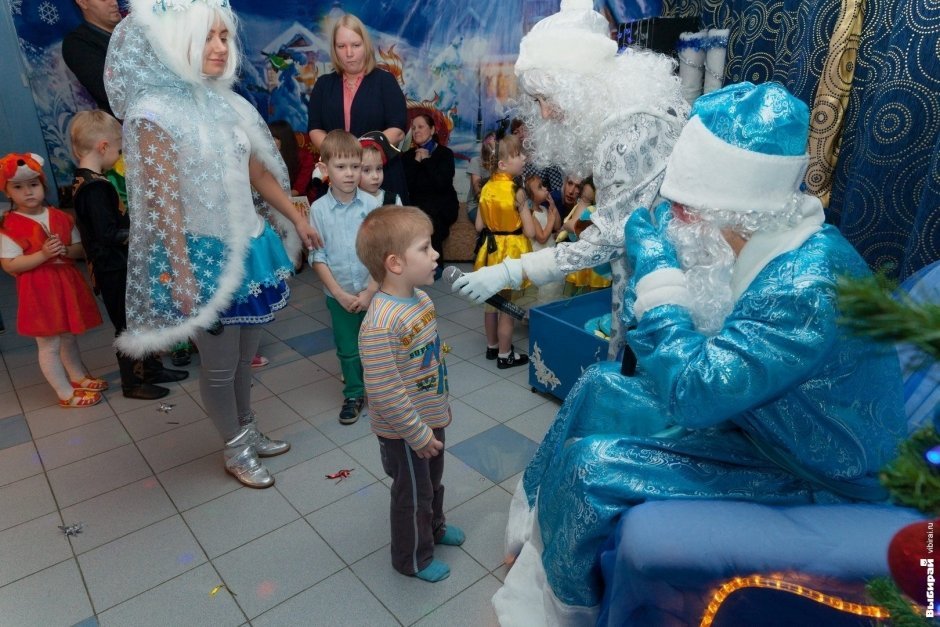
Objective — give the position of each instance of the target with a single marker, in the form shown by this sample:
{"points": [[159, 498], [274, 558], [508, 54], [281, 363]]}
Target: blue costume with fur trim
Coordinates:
{"points": [[204, 246], [780, 375], [778, 405]]}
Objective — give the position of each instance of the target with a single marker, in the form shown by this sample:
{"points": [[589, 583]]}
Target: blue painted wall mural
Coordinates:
{"points": [[456, 55]]}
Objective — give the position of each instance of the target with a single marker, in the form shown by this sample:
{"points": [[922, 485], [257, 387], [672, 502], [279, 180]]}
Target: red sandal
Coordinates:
{"points": [[91, 384], [81, 398]]}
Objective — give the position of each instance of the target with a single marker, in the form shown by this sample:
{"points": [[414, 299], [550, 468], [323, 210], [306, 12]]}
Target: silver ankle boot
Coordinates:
{"points": [[263, 445], [241, 460]]}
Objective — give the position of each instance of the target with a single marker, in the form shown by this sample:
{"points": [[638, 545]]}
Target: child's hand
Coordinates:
{"points": [[433, 449], [349, 302], [363, 298], [53, 247]]}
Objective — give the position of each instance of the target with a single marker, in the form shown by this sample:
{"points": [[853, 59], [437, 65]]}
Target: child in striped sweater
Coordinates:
{"points": [[406, 384]]}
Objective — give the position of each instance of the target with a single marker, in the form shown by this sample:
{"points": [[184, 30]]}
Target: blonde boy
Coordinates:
{"points": [[104, 224], [349, 288], [406, 381]]}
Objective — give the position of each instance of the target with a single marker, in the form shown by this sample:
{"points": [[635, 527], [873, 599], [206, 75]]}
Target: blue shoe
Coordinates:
{"points": [[434, 572], [453, 536]]}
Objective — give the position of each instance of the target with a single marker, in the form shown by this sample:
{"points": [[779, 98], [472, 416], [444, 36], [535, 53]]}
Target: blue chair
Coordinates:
{"points": [[724, 563]]}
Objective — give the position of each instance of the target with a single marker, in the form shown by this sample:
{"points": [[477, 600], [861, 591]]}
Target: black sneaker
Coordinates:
{"points": [[180, 356], [514, 359], [144, 391], [350, 411], [166, 375], [492, 353]]}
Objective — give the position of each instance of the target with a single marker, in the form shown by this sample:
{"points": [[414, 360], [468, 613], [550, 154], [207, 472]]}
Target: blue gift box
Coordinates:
{"points": [[559, 347]]}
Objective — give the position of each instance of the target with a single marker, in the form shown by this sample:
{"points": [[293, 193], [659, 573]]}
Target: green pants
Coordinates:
{"points": [[346, 337]]}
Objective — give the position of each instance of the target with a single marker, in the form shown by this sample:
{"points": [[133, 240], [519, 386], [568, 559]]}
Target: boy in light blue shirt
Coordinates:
{"points": [[349, 288]]}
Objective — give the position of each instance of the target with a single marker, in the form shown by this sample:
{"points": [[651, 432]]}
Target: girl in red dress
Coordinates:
{"points": [[38, 246]]}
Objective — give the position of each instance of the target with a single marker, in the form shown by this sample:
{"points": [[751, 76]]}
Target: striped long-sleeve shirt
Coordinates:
{"points": [[403, 368]]}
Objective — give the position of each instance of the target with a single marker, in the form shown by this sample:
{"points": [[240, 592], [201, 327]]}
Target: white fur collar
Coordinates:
{"points": [[764, 247]]}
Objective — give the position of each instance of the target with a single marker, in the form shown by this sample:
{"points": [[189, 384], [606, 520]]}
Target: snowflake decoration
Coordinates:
{"points": [[542, 373], [16, 7], [254, 288], [48, 13]]}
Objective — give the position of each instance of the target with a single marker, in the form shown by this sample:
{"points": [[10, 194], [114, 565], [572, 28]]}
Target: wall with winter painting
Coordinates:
{"points": [[456, 55]]}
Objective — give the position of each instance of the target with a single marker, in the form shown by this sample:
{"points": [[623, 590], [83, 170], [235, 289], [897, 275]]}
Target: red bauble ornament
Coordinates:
{"points": [[911, 559]]}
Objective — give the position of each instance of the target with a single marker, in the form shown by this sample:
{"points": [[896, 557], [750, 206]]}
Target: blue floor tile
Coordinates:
{"points": [[13, 431], [498, 453], [312, 343]]}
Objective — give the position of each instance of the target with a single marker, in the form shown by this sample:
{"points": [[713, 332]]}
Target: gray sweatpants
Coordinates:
{"points": [[225, 375], [417, 509]]}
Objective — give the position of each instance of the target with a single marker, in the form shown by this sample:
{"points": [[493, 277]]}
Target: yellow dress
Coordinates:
{"points": [[505, 238], [586, 280]]}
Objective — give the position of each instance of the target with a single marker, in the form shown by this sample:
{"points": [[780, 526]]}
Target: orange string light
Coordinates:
{"points": [[773, 583]]}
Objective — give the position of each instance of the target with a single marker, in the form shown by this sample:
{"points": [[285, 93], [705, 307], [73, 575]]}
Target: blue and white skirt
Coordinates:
{"points": [[264, 289]]}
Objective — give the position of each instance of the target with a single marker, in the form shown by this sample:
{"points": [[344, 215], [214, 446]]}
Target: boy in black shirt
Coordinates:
{"points": [[105, 228]]}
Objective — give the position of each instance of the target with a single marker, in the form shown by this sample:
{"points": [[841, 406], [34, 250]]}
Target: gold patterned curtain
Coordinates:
{"points": [[832, 99]]}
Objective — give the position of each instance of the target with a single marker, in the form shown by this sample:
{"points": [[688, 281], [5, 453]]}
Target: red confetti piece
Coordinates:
{"points": [[339, 475]]}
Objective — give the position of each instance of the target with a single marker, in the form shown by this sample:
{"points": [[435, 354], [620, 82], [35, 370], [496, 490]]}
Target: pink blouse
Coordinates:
{"points": [[349, 93]]}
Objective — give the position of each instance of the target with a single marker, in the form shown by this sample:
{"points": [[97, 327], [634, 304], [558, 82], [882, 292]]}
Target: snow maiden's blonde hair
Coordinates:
{"points": [[177, 30]]}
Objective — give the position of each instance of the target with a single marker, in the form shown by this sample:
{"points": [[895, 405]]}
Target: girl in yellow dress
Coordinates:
{"points": [[506, 224]]}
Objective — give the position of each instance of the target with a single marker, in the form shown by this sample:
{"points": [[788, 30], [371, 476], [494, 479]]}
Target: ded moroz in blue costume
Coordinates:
{"points": [[746, 387]]}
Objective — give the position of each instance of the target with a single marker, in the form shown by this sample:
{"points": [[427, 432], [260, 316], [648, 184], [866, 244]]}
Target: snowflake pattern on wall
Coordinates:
{"points": [[16, 7], [48, 13]]}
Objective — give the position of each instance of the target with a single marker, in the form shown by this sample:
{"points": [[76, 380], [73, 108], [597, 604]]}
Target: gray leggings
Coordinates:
{"points": [[225, 375]]}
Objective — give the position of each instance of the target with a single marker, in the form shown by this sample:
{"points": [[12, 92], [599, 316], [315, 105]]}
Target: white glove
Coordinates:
{"points": [[480, 285], [541, 267]]}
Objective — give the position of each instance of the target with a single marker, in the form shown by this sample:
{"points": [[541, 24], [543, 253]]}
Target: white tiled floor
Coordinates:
{"points": [[164, 525]]}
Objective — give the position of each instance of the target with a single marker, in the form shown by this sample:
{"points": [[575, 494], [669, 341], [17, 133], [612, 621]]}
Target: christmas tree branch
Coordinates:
{"points": [[873, 307]]}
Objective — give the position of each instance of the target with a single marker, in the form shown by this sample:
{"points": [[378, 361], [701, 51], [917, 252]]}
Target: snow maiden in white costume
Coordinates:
{"points": [[203, 253], [746, 389], [590, 110]]}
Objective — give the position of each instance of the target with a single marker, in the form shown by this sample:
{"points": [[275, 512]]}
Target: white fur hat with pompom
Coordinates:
{"points": [[576, 39]]}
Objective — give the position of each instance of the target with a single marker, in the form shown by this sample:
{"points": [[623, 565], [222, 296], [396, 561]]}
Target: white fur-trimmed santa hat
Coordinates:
{"points": [[743, 150], [576, 39]]}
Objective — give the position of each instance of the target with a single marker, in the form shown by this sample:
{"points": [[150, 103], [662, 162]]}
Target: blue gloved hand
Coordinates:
{"points": [[627, 316], [648, 245]]}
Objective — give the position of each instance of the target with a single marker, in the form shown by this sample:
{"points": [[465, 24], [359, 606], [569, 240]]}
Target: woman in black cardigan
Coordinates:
{"points": [[358, 97], [429, 172]]}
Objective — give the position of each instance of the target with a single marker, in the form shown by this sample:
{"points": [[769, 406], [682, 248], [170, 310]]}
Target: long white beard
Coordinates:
{"points": [[708, 262], [634, 79], [567, 143]]}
